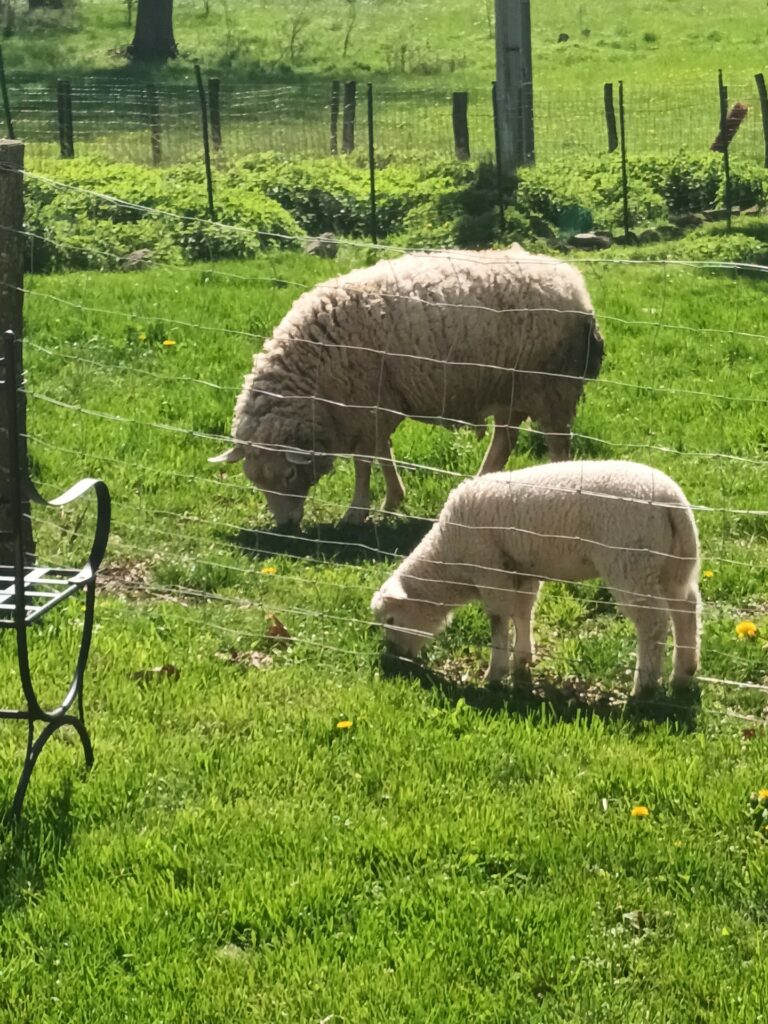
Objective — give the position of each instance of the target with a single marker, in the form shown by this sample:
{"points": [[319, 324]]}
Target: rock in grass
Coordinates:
{"points": [[591, 240], [141, 259], [324, 245]]}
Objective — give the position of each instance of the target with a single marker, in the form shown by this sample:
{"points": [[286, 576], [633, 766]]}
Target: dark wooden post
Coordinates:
{"points": [[499, 165], [624, 174], [153, 116], [206, 145], [6, 102], [12, 313], [460, 125], [335, 90], [763, 94], [348, 126], [372, 168], [610, 117], [66, 131], [214, 102], [723, 91]]}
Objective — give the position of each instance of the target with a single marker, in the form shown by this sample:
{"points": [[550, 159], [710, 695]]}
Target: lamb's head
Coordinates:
{"points": [[283, 476], [409, 622]]}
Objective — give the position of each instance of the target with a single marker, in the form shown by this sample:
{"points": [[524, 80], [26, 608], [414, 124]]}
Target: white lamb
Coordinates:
{"points": [[500, 535], [445, 337]]}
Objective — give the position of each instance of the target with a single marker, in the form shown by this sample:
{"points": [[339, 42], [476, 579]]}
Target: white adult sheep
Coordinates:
{"points": [[445, 337], [500, 535]]}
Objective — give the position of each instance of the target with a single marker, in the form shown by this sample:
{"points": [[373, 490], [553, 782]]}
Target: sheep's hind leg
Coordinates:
{"points": [[499, 666], [357, 512], [502, 444], [557, 434], [522, 618], [395, 492], [685, 623], [652, 624]]}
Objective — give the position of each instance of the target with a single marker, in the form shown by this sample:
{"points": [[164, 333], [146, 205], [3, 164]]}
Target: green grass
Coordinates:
{"points": [[666, 51], [458, 854]]}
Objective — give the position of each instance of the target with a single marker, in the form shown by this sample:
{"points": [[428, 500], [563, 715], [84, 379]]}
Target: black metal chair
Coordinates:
{"points": [[28, 592]]}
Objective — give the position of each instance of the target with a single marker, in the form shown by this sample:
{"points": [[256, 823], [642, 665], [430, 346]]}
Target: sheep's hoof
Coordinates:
{"points": [[685, 687], [354, 517]]}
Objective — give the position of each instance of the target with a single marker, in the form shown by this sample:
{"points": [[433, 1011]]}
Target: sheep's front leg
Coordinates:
{"points": [[357, 512], [499, 666], [502, 444]]}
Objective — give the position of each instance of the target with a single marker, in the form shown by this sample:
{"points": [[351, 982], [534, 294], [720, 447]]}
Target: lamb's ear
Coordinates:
{"points": [[233, 454], [393, 590], [299, 458]]}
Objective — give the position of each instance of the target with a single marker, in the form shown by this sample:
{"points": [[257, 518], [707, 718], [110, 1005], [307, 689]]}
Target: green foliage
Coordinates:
{"points": [[80, 225]]}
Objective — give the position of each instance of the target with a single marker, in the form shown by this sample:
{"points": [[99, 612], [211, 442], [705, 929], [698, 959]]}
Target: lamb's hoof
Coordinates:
{"points": [[685, 688], [391, 506]]}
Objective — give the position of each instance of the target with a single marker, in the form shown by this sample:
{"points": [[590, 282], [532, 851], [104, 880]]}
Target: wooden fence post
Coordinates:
{"points": [[610, 117], [335, 90], [12, 312], [214, 103], [348, 126], [460, 125], [66, 130], [155, 131], [760, 79]]}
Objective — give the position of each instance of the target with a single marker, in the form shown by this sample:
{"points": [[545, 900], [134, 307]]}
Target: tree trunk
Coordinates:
{"points": [[153, 38]]}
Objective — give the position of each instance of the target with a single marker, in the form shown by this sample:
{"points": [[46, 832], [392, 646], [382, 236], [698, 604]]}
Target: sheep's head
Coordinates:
{"points": [[284, 477], [409, 622]]}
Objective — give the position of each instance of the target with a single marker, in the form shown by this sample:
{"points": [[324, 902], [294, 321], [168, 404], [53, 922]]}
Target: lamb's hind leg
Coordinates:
{"points": [[685, 622], [502, 444], [651, 619]]}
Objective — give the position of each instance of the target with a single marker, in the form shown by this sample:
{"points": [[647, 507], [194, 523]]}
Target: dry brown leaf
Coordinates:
{"points": [[147, 675]]}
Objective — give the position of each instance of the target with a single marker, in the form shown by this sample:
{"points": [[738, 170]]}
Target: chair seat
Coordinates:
{"points": [[44, 587]]}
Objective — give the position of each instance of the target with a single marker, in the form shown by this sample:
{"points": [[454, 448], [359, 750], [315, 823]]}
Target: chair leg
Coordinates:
{"points": [[34, 748]]}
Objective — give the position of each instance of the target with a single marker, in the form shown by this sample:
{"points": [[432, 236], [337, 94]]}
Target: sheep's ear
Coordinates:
{"points": [[233, 454], [298, 458]]}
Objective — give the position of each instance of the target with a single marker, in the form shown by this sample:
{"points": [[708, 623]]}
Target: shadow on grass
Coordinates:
{"points": [[32, 848], [350, 545], [562, 700]]}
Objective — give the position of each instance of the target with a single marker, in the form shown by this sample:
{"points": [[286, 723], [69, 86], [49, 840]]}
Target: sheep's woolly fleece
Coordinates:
{"points": [[428, 336]]}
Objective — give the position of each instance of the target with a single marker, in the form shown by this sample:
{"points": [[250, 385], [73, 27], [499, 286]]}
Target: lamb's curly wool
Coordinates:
{"points": [[499, 535], [445, 337]]}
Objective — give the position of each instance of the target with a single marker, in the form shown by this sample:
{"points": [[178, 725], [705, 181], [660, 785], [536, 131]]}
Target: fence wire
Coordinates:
{"points": [[195, 555]]}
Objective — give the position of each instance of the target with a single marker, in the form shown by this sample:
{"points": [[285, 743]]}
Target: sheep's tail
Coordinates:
{"points": [[595, 350], [683, 567]]}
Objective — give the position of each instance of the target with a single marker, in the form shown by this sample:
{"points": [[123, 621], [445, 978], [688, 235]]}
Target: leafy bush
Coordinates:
{"points": [[80, 225]]}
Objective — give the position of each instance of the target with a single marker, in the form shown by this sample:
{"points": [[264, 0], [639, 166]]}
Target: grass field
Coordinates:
{"points": [[456, 854], [667, 53]]}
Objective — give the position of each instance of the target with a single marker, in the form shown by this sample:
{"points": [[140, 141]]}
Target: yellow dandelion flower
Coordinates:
{"points": [[746, 630], [142, 336], [708, 574], [344, 724], [640, 812], [762, 794], [268, 570], [168, 342]]}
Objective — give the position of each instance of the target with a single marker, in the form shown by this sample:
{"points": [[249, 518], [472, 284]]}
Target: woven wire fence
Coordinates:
{"points": [[156, 382], [143, 123]]}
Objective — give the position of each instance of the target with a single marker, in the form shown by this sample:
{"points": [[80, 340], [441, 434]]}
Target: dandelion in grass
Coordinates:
{"points": [[168, 342], [142, 336], [268, 570], [746, 630], [708, 574], [762, 794], [344, 724], [640, 812]]}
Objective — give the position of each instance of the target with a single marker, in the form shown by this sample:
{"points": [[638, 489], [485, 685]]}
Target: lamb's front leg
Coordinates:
{"points": [[522, 617], [357, 512], [499, 666]]}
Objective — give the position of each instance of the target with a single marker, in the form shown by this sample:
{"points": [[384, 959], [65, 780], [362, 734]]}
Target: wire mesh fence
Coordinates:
{"points": [[160, 122], [139, 387]]}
